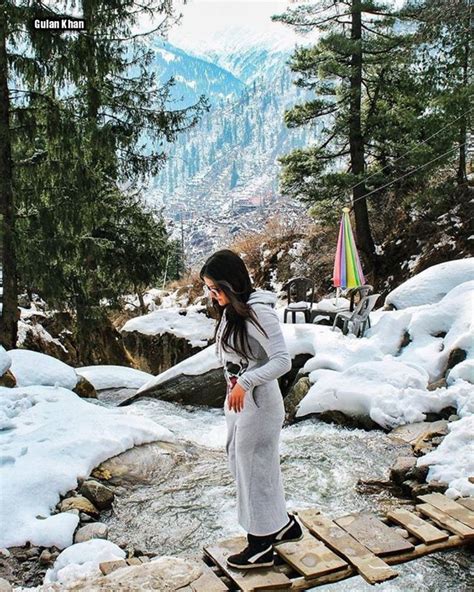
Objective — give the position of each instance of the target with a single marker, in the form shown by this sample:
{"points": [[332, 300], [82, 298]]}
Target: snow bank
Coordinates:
{"points": [[5, 361], [110, 376], [188, 324], [48, 438], [453, 461], [30, 367], [432, 284]]}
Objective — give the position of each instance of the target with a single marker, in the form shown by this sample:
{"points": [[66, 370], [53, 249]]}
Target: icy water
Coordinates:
{"points": [[174, 503]]}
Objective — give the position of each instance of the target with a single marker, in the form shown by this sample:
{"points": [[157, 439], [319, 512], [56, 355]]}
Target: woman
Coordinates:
{"points": [[250, 345]]}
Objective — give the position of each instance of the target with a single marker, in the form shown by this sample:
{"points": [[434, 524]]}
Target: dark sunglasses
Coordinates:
{"points": [[215, 291]]}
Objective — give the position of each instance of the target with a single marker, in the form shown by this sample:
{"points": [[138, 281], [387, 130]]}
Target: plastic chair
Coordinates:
{"points": [[357, 320], [297, 292]]}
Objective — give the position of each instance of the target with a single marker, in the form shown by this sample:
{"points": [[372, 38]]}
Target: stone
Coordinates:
{"points": [[441, 383], [4, 552], [297, 393], [46, 558], [85, 389], [80, 503], [96, 530], [85, 517], [453, 417], [134, 561], [100, 495], [107, 567], [7, 379], [399, 471], [5, 586], [456, 356]]}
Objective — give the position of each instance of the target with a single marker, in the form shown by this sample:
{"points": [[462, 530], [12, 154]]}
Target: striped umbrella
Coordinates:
{"points": [[347, 268]]}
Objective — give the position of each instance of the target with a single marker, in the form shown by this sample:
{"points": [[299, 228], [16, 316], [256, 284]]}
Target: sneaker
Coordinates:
{"points": [[291, 532], [254, 555]]}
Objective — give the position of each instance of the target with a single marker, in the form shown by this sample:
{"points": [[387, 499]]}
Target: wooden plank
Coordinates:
{"points": [[371, 568], [418, 527], [449, 506], [467, 502], [374, 534], [310, 557], [445, 520], [265, 578]]}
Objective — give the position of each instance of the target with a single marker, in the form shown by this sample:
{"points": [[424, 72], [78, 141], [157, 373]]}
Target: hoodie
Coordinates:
{"points": [[270, 358]]}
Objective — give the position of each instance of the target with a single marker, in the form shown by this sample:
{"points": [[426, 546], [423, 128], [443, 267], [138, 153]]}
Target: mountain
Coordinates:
{"points": [[221, 177]]}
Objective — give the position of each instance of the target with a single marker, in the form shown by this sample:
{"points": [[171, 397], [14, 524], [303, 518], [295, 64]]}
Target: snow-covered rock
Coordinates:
{"points": [[49, 437], [188, 324], [453, 461], [81, 561], [34, 368], [432, 284], [110, 376], [5, 361]]}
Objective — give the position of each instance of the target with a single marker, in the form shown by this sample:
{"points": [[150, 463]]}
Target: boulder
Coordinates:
{"points": [[295, 396], [100, 495], [85, 389], [405, 469], [96, 530], [157, 353], [5, 586], [208, 388], [80, 503]]}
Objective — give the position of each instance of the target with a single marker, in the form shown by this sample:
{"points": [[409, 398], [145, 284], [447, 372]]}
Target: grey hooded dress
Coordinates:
{"points": [[253, 434]]}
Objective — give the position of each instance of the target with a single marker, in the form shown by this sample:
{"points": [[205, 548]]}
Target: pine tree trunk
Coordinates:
{"points": [[462, 165], [356, 143], [9, 317]]}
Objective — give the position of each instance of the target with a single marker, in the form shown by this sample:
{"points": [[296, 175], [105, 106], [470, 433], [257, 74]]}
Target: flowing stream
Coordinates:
{"points": [[174, 499]]}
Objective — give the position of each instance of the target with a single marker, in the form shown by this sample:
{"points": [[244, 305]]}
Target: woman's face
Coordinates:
{"points": [[216, 292]]}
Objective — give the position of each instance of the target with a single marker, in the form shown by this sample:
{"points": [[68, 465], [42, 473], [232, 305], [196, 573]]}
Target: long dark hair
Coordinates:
{"points": [[229, 273]]}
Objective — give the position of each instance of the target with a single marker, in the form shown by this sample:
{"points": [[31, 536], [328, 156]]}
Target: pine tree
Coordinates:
{"points": [[356, 34]]}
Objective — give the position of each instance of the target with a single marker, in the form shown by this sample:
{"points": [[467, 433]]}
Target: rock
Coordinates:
{"points": [[4, 552], [438, 486], [403, 465], [289, 380], [5, 586], [157, 353], [7, 379], [85, 389], [85, 517], [96, 530], [441, 383], [456, 356], [46, 558], [80, 503], [133, 561], [208, 388], [295, 396], [334, 416], [100, 495], [33, 552], [107, 567], [414, 488], [453, 417]]}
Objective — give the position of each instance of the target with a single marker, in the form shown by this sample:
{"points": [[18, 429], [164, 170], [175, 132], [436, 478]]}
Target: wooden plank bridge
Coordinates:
{"points": [[335, 549]]}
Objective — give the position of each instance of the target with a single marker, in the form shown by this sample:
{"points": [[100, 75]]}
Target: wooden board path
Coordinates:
{"points": [[335, 549], [449, 507], [371, 568], [374, 534]]}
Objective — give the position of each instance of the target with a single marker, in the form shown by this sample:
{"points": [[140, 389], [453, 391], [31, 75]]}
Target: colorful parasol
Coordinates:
{"points": [[347, 268]]}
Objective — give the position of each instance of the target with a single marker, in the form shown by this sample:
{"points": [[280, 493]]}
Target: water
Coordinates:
{"points": [[176, 503]]}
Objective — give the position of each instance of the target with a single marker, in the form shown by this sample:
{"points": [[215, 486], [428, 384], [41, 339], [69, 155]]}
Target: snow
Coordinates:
{"points": [[30, 367], [432, 284], [193, 326], [42, 457], [453, 461], [110, 376], [81, 561]]}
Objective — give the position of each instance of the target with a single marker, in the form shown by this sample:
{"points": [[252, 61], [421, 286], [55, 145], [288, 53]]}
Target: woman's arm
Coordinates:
{"points": [[279, 360]]}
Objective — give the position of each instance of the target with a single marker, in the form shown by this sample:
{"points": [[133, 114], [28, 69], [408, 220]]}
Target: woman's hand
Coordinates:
{"points": [[236, 398]]}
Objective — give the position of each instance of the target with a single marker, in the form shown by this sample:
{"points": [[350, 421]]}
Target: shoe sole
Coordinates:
{"points": [[288, 540], [252, 565]]}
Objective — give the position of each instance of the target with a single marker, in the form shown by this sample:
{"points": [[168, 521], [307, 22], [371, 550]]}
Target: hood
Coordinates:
{"points": [[263, 297]]}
